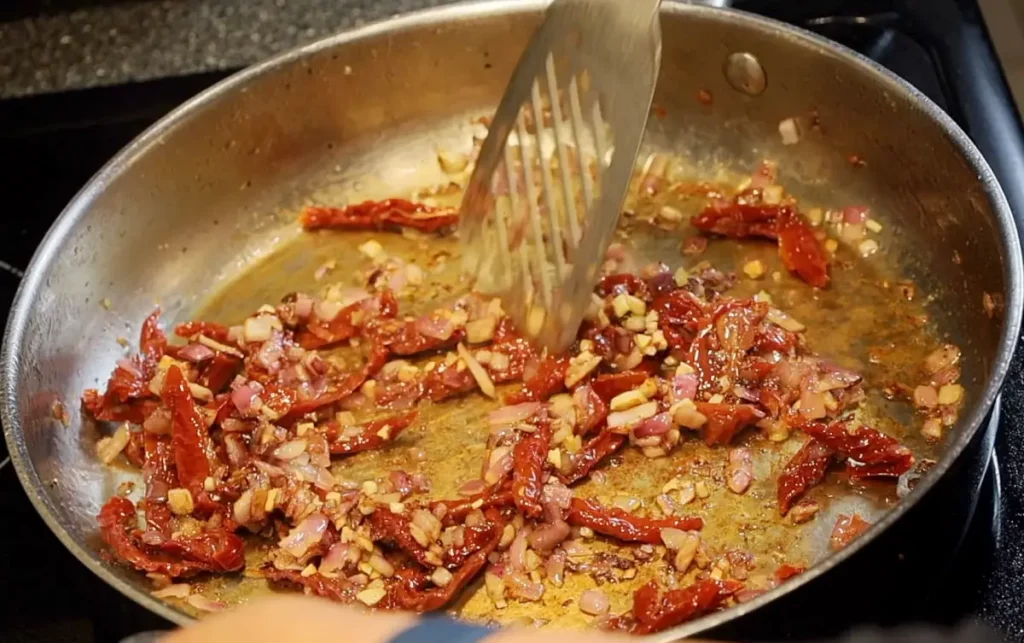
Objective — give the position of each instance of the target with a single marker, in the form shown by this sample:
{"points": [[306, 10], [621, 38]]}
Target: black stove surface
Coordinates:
{"points": [[53, 144]]}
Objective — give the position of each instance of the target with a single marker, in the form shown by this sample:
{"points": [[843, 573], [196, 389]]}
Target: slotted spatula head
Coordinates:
{"points": [[547, 189]]}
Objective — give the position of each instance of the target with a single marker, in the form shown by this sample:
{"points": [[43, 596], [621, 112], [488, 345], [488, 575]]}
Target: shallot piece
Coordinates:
{"points": [[513, 414], [594, 602], [205, 604], [177, 590], [308, 533], [740, 471]]}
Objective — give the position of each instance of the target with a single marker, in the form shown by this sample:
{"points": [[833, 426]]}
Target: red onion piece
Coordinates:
{"points": [[684, 386], [338, 556], [472, 488], [270, 353], [324, 480], [236, 450], [558, 494], [196, 353], [177, 590], [574, 548], [520, 586], [517, 551], [660, 424], [740, 470], [307, 533], [401, 482], [547, 537], [554, 569], [200, 602], [435, 326], [499, 468], [420, 483], [128, 365], [512, 414], [242, 397], [303, 306], [269, 469], [594, 602], [291, 449]]}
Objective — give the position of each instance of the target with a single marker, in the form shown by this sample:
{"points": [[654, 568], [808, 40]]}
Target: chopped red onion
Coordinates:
{"points": [[517, 551], [401, 482], [740, 470], [500, 465], [339, 555], [128, 365], [307, 533], [242, 397], [420, 482], [556, 493], [520, 586], [291, 449], [204, 604], [196, 353], [303, 306], [512, 414], [594, 602], [435, 326], [684, 386], [660, 424], [472, 488], [177, 590], [555, 567], [547, 537]]}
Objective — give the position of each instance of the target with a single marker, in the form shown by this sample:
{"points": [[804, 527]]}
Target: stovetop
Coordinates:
{"points": [[52, 144]]}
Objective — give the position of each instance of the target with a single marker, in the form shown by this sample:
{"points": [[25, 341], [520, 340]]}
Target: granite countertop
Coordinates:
{"points": [[131, 41]]}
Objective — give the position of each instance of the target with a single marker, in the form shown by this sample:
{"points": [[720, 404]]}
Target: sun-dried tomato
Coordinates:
{"points": [[214, 551], [457, 510], [869, 452], [655, 612], [726, 420], [800, 250], [219, 371], [786, 571], [380, 215], [543, 379], [805, 469], [188, 436], [528, 459], [739, 220], [591, 454], [372, 435], [679, 314], [608, 385], [411, 597], [846, 529], [614, 522], [393, 529]]}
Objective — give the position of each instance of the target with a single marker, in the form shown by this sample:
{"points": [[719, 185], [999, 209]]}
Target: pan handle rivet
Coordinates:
{"points": [[745, 73]]}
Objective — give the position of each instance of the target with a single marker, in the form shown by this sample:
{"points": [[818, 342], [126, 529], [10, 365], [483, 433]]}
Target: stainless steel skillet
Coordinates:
{"points": [[212, 188]]}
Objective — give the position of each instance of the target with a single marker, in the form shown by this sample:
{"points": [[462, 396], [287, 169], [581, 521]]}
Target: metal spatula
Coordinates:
{"points": [[548, 186]]}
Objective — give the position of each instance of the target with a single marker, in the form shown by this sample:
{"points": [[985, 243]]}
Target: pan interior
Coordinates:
{"points": [[199, 218]]}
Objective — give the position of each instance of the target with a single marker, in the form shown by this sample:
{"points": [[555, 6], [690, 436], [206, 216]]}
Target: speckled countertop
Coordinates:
{"points": [[132, 41]]}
